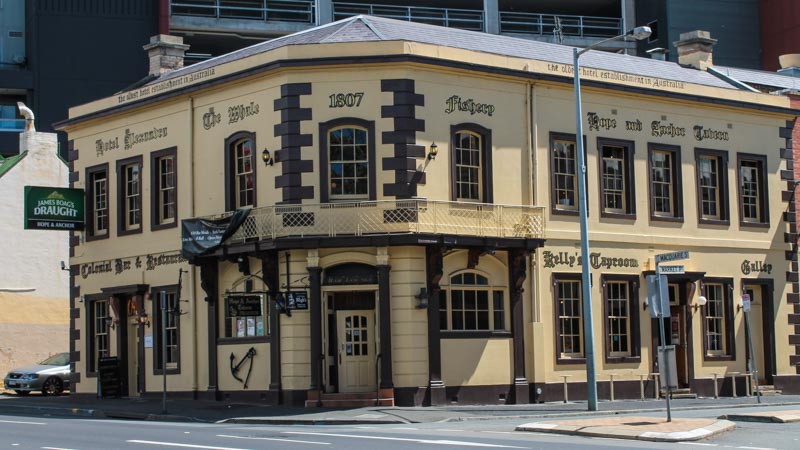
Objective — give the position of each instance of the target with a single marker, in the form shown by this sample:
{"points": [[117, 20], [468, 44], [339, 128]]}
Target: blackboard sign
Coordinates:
{"points": [[296, 300], [242, 305], [108, 378]]}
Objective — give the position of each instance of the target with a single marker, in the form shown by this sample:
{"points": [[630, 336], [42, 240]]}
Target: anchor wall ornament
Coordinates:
{"points": [[237, 366]]}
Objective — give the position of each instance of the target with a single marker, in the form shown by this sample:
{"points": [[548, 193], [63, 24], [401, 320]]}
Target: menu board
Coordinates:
{"points": [[109, 383]]}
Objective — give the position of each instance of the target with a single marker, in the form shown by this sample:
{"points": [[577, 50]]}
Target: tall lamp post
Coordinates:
{"points": [[637, 33]]}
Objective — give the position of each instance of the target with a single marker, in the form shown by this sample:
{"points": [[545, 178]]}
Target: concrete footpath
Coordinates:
{"points": [[635, 427], [150, 408]]}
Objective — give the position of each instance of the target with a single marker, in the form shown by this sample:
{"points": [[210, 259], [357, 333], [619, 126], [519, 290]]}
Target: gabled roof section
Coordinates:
{"points": [[369, 28], [8, 163]]}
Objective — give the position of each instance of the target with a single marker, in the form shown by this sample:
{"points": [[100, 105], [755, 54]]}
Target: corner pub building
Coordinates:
{"points": [[412, 235]]}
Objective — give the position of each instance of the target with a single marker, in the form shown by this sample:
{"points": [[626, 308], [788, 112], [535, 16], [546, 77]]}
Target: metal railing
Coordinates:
{"points": [[266, 10], [466, 19], [544, 24], [390, 217]]}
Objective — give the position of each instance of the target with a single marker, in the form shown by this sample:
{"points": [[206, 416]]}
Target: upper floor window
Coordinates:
{"points": [[163, 189], [563, 173], [240, 173], [712, 186], [666, 190], [97, 202], [347, 160], [471, 163], [471, 303], [753, 199], [129, 195], [10, 120], [617, 182], [348, 163]]}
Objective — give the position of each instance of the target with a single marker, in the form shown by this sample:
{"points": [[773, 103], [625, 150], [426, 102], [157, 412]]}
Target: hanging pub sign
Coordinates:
{"points": [[52, 208], [296, 300], [243, 305], [200, 236]]}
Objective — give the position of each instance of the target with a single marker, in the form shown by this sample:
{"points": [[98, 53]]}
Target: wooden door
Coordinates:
{"points": [[356, 350]]}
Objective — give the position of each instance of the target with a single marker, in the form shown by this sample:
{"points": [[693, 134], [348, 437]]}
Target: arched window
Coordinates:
{"points": [[471, 163], [471, 303], [240, 173]]}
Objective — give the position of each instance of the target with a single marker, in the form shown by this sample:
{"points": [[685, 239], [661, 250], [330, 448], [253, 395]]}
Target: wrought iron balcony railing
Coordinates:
{"points": [[466, 19], [391, 217], [265, 10], [544, 24], [303, 11]]}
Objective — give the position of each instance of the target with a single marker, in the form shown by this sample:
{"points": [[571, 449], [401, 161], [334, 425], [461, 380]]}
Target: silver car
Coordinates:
{"points": [[50, 376]]}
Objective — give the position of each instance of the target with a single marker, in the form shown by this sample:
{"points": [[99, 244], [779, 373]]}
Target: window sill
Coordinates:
{"points": [[242, 340], [666, 219], [564, 212], [623, 359], [123, 232], [97, 237], [477, 334], [717, 358], [163, 226], [716, 222], [616, 215], [753, 224], [169, 371], [570, 361]]}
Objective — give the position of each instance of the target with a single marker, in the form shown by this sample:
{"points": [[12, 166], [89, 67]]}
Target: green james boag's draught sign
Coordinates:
{"points": [[51, 208]]}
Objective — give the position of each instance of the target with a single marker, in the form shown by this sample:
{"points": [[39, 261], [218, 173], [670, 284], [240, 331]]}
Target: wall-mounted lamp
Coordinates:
{"points": [[64, 266], [422, 298], [266, 157], [110, 323], [433, 151], [645, 304], [144, 319], [701, 301]]}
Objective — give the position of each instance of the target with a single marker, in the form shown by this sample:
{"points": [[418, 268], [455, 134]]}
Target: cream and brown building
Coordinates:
{"points": [[411, 229]]}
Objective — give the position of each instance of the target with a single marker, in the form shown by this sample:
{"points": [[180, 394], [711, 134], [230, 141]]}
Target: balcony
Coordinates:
{"points": [[465, 19], [546, 24], [387, 217], [301, 12]]}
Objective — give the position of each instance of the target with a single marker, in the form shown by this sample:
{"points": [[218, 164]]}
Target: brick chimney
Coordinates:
{"points": [[695, 49], [166, 53]]}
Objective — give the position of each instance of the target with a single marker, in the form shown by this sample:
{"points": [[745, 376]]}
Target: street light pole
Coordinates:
{"points": [[638, 33]]}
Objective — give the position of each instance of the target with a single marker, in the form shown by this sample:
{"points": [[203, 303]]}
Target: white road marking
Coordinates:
{"points": [[698, 443], [22, 423], [448, 430], [405, 428], [419, 441], [372, 428], [55, 448], [272, 439], [502, 432], [178, 444], [758, 448]]}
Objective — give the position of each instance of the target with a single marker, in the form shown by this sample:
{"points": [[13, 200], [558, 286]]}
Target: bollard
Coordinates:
{"points": [[733, 381], [657, 379], [641, 386], [566, 393], [612, 386], [716, 392]]}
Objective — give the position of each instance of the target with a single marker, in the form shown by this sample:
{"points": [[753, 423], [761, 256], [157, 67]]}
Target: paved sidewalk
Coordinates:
{"points": [[788, 416], [185, 409], [635, 427]]}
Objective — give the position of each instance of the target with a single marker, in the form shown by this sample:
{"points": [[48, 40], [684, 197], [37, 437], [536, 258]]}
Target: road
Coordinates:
{"points": [[52, 433]]}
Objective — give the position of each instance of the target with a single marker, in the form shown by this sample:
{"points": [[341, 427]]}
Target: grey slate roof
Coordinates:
{"points": [[370, 28], [761, 78]]}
